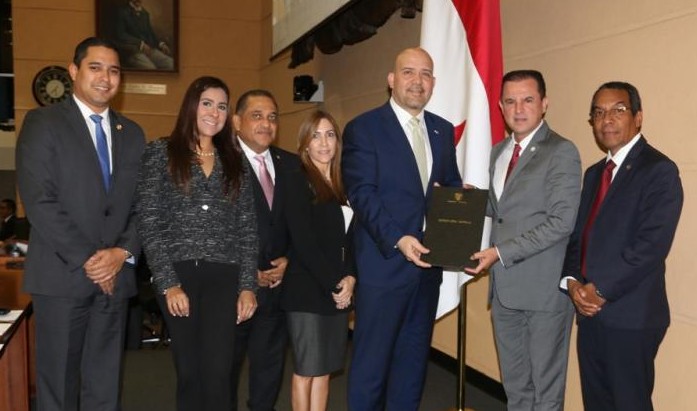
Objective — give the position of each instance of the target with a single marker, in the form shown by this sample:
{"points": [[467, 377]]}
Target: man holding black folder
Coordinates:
{"points": [[535, 188], [392, 156]]}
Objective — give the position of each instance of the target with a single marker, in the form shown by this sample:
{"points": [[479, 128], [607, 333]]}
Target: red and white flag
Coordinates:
{"points": [[464, 40]]}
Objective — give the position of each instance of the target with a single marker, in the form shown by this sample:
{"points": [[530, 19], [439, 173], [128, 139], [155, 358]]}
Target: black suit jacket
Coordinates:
{"points": [[321, 251], [630, 238], [72, 215], [8, 228], [273, 235], [271, 226]]}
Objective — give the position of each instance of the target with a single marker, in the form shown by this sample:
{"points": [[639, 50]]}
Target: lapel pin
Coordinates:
{"points": [[436, 132], [629, 167], [532, 149], [119, 127]]}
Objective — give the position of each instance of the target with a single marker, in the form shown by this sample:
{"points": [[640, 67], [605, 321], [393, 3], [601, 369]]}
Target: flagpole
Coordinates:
{"points": [[461, 350]]}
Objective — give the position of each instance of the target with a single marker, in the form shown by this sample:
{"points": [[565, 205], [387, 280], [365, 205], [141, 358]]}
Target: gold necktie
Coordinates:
{"points": [[419, 148]]}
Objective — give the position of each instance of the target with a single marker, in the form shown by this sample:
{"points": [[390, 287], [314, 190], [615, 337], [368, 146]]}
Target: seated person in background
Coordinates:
{"points": [[8, 219], [137, 42], [318, 285]]}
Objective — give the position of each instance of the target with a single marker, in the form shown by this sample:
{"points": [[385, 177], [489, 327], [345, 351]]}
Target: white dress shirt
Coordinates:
{"points": [[404, 117], [106, 125], [501, 166], [251, 154]]}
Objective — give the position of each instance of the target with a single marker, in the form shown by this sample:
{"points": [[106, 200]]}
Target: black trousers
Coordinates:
{"points": [[79, 346], [262, 339], [203, 342], [617, 366]]}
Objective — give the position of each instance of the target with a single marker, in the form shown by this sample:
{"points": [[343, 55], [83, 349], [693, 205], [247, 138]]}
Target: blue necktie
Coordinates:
{"points": [[102, 150]]}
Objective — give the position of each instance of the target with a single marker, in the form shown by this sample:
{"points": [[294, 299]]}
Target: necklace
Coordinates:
{"points": [[205, 153]]}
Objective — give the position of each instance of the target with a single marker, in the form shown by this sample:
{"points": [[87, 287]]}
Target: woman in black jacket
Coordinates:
{"points": [[318, 285]]}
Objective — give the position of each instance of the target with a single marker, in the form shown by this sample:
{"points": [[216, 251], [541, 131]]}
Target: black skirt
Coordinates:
{"points": [[318, 341]]}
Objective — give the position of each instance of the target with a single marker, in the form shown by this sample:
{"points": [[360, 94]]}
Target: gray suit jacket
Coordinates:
{"points": [[532, 221], [71, 213]]}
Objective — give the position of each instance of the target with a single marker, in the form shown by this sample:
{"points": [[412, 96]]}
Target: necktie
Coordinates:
{"points": [[514, 160], [265, 179], [603, 187], [419, 148], [102, 150]]}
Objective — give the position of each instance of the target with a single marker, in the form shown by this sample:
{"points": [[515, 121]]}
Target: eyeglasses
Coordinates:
{"points": [[615, 113]]}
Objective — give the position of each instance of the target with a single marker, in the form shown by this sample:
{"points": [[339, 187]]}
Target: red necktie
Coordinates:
{"points": [[265, 179], [604, 185], [514, 161]]}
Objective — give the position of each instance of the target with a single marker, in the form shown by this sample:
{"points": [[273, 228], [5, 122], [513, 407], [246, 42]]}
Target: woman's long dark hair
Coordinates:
{"points": [[184, 140], [323, 191]]}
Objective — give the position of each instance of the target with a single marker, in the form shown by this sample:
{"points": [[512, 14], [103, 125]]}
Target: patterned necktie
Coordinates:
{"points": [[102, 150], [419, 148], [514, 160], [265, 179], [603, 187]]}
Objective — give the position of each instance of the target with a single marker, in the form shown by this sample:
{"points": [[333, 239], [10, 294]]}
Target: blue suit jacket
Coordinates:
{"points": [[384, 189], [630, 239]]}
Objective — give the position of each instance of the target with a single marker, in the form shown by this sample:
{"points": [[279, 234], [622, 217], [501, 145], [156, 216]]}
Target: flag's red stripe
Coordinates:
{"points": [[482, 22]]}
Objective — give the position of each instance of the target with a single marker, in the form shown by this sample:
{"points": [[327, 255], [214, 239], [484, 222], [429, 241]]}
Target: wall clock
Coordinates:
{"points": [[52, 85]]}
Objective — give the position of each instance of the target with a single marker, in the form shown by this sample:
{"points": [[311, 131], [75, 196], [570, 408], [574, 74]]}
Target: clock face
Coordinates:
{"points": [[52, 85]]}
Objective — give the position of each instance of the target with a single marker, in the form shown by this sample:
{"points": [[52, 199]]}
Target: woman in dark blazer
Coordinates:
{"points": [[196, 218], [319, 281]]}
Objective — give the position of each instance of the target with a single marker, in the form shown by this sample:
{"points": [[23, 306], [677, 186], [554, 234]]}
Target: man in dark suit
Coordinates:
{"points": [[263, 338], [77, 165], [8, 208], [535, 188], [615, 262], [392, 157]]}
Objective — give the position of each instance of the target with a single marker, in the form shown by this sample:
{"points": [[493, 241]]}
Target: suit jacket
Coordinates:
{"points": [[8, 228], [532, 221], [72, 215], [384, 188], [273, 234], [321, 250], [271, 226], [630, 238]]}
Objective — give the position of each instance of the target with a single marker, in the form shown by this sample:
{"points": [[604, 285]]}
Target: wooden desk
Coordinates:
{"points": [[14, 355], [11, 295]]}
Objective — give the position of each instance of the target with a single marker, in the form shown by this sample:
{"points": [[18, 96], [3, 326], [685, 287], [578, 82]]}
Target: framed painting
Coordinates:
{"points": [[146, 32]]}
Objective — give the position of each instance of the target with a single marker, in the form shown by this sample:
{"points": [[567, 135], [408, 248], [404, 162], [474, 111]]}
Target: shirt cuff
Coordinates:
{"points": [[499, 254], [564, 283]]}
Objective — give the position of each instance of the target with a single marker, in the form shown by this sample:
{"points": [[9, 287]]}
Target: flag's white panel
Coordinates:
{"points": [[460, 97]]}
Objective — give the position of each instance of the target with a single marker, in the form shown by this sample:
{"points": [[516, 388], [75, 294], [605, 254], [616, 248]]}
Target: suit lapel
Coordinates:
{"points": [[529, 153], [84, 141], [495, 153], [590, 187], [262, 206], [279, 181], [117, 143], [626, 170], [434, 136], [399, 144]]}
